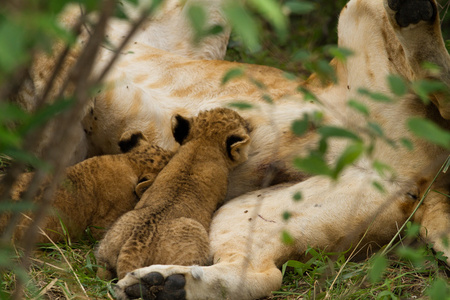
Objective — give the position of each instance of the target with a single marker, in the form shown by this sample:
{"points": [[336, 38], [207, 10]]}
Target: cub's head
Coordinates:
{"points": [[147, 159], [221, 127], [131, 140]]}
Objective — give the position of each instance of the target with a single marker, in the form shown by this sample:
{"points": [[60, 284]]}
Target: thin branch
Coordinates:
{"points": [[388, 247], [58, 152], [32, 140], [10, 87], [144, 16], [59, 65]]}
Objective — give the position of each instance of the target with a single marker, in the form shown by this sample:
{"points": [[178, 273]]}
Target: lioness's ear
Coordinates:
{"points": [[130, 139], [144, 183], [180, 128], [237, 147]]}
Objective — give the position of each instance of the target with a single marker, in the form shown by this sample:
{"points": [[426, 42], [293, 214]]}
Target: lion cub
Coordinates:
{"points": [[96, 192], [170, 223]]}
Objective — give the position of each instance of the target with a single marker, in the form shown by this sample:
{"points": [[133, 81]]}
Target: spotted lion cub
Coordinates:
{"points": [[94, 193], [170, 224]]}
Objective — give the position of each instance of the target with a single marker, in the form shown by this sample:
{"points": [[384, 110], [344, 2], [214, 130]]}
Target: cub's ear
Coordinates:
{"points": [[144, 183], [181, 127], [238, 147], [131, 139]]}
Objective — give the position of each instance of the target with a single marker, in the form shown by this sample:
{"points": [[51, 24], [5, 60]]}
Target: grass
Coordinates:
{"points": [[5, 161], [329, 278], [63, 271], [60, 271]]}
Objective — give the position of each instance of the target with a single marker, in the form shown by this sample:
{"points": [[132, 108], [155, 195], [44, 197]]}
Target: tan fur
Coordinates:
{"points": [[171, 221], [170, 17], [95, 192], [331, 215]]}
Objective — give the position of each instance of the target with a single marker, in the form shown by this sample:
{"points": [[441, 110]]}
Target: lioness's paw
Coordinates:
{"points": [[409, 12], [154, 286], [154, 282]]}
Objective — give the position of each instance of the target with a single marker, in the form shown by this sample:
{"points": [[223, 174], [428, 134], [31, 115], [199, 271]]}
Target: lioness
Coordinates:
{"points": [[388, 37]]}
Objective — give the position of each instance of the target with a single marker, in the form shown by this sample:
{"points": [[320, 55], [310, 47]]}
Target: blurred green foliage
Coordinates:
{"points": [[310, 29]]}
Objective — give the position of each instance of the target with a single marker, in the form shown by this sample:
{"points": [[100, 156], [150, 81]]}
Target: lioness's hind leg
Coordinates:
{"points": [[412, 12], [417, 27]]}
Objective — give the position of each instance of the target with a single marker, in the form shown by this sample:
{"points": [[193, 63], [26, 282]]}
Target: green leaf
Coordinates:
{"points": [[429, 131], [412, 230], [289, 76], [294, 264], [286, 216], [243, 24], [299, 267], [423, 88], [11, 112], [378, 186], [379, 97], [300, 7], [375, 128], [50, 26], [134, 2], [271, 10], [407, 144], [299, 127], [13, 51], [340, 53], [46, 113], [91, 5], [197, 17], [377, 268], [297, 196], [386, 295], [439, 290], [286, 238], [359, 106], [258, 83], [16, 206], [313, 165], [231, 74], [27, 158], [349, 156], [267, 98], [9, 138], [397, 85], [301, 55], [55, 7], [332, 131], [432, 68], [307, 94], [326, 71], [241, 105], [382, 168], [414, 255], [214, 30]]}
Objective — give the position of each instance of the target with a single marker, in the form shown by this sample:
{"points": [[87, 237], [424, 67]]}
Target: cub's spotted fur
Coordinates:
{"points": [[171, 221], [95, 192]]}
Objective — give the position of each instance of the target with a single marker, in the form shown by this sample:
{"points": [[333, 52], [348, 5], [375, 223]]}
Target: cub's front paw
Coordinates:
{"points": [[409, 12]]}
